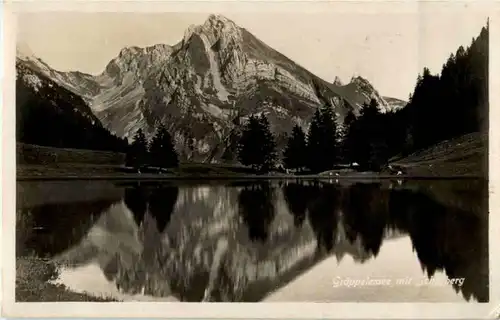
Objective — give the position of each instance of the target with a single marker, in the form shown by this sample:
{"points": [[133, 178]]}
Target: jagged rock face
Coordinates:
{"points": [[134, 61], [78, 83], [202, 86], [366, 89], [394, 103], [360, 91]]}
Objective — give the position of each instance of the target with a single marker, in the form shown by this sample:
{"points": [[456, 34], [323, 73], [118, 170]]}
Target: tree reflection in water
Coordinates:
{"points": [[446, 238], [183, 255], [297, 198], [136, 199], [256, 207], [323, 209]]}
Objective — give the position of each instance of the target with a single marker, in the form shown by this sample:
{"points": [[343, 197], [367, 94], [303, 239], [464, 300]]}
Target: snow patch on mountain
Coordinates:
{"points": [[214, 70], [395, 104], [214, 111], [32, 81]]}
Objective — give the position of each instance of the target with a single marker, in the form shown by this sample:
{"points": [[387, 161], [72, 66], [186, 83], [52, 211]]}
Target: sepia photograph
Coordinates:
{"points": [[234, 156]]}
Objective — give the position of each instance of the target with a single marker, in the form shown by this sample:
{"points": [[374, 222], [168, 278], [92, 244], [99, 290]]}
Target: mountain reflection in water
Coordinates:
{"points": [[244, 241]]}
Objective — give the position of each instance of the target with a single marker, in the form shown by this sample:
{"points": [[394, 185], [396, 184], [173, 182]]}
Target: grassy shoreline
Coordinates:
{"points": [[33, 276], [460, 158], [207, 172], [242, 177]]}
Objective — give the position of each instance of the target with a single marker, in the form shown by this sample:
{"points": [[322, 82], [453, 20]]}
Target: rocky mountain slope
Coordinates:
{"points": [[204, 86], [359, 90], [394, 103], [50, 115]]}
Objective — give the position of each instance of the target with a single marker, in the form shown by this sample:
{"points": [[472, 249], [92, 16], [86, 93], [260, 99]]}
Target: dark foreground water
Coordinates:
{"points": [[261, 241]]}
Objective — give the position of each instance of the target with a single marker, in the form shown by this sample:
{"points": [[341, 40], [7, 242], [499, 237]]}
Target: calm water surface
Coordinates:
{"points": [[261, 241]]}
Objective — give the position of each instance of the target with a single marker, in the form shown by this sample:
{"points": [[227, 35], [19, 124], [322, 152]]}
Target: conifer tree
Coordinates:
{"points": [[347, 139], [322, 140], [373, 134], [366, 138], [269, 144], [441, 107], [355, 142], [256, 146], [295, 154], [162, 150], [137, 153], [247, 148], [331, 134], [453, 103], [314, 145]]}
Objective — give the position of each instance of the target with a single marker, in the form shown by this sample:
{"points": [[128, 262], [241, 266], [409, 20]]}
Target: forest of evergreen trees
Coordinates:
{"points": [[54, 117], [444, 106], [369, 213], [159, 152]]}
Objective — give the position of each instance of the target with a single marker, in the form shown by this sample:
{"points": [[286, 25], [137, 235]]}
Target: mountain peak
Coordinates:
{"points": [[359, 80], [218, 25], [23, 50], [131, 51], [127, 51], [337, 81], [214, 19], [216, 28]]}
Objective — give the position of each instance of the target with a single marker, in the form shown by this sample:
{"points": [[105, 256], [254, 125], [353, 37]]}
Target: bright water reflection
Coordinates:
{"points": [[261, 241]]}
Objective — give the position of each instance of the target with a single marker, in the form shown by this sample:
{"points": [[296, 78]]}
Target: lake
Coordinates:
{"points": [[250, 241]]}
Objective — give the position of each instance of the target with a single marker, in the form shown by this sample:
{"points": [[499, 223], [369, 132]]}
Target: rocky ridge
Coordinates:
{"points": [[203, 87]]}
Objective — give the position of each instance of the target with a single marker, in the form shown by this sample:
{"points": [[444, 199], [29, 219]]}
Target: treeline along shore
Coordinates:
{"points": [[46, 163]]}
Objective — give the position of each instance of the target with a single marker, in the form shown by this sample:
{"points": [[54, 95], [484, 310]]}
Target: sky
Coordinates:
{"points": [[389, 49]]}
